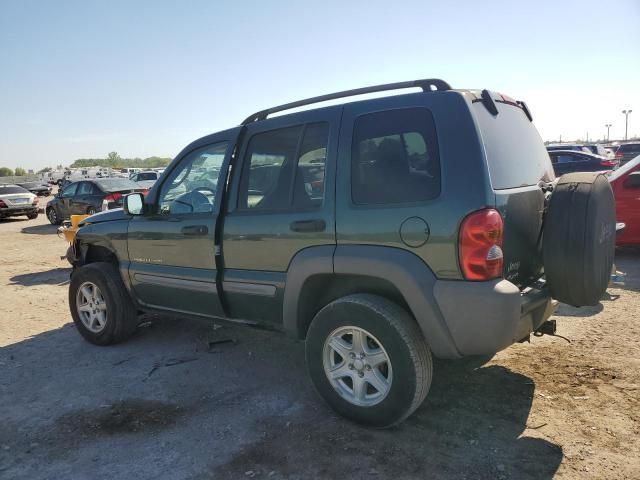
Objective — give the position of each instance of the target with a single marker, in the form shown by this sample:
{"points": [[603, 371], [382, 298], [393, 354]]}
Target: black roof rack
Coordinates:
{"points": [[427, 85]]}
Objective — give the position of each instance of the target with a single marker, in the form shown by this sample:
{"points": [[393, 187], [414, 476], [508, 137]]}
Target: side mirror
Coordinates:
{"points": [[633, 180], [134, 204]]}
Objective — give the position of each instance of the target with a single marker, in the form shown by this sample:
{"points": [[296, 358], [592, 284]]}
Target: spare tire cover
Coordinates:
{"points": [[579, 238]]}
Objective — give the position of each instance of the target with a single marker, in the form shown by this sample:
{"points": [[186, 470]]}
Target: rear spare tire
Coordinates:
{"points": [[579, 238]]}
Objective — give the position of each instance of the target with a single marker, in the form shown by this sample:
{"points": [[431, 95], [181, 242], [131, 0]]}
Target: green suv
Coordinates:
{"points": [[381, 232]]}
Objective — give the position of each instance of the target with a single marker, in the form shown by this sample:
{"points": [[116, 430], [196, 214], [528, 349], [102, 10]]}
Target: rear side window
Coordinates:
{"points": [[284, 169], [629, 148], [516, 155], [394, 157]]}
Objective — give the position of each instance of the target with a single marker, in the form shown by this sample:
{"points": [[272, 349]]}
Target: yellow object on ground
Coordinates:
{"points": [[69, 230]]}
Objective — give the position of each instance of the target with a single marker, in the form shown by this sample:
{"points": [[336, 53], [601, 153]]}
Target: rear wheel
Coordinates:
{"points": [[100, 304], [368, 359]]}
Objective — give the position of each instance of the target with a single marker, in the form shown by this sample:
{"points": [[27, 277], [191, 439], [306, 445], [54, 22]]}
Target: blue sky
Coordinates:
{"points": [[83, 78]]}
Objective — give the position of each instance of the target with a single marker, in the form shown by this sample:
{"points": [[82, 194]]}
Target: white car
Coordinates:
{"points": [[16, 201]]}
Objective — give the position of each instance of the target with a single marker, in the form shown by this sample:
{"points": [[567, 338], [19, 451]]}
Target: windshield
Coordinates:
{"points": [[8, 189], [147, 176], [116, 184], [634, 162], [515, 153]]}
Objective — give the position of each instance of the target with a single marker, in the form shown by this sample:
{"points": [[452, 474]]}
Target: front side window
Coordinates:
{"points": [[285, 169], [394, 158], [70, 191], [192, 186]]}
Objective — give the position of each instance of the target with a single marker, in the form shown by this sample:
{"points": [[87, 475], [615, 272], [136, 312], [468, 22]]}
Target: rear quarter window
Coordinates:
{"points": [[394, 158], [516, 155]]}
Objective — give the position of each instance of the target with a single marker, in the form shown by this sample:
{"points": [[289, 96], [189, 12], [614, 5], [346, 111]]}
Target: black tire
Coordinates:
{"points": [[53, 217], [404, 344], [121, 317], [32, 216], [579, 238]]}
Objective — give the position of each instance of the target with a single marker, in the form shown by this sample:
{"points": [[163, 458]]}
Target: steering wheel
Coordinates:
{"points": [[193, 201]]}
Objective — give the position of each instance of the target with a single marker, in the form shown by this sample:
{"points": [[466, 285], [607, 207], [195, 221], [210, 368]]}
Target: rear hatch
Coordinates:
{"points": [[518, 164]]}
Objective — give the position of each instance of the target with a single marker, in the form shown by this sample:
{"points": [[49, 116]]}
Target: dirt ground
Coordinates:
{"points": [[163, 406]]}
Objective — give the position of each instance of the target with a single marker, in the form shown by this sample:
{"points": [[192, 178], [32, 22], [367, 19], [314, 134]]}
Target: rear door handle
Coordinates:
{"points": [[316, 225], [195, 230]]}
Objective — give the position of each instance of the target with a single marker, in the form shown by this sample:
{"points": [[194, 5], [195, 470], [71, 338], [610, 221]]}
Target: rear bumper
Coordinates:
{"points": [[16, 211], [486, 317]]}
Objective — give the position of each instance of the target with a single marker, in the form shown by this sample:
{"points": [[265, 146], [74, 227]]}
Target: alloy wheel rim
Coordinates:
{"points": [[91, 307], [357, 366], [52, 215]]}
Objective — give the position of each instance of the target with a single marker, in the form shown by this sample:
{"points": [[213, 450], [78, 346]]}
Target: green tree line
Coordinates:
{"points": [[7, 172], [113, 160]]}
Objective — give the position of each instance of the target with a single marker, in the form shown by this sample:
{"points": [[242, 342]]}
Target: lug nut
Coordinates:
{"points": [[351, 366], [368, 367], [361, 374], [352, 355]]}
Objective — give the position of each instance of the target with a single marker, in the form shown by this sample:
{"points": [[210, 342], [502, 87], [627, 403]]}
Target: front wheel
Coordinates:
{"points": [[368, 359], [100, 304], [52, 216]]}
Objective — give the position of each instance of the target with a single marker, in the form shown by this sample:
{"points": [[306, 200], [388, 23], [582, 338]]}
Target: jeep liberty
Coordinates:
{"points": [[381, 232]]}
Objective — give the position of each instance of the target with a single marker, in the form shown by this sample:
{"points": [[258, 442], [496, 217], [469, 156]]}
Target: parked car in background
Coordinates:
{"points": [[567, 161], [625, 182], [627, 151], [145, 179], [16, 201], [88, 197], [598, 149], [36, 188], [568, 146]]}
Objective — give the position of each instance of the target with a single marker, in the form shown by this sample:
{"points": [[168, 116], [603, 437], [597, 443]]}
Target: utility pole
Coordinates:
{"points": [[626, 121], [608, 125]]}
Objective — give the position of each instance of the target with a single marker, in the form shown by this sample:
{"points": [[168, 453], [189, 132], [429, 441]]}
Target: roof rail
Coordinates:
{"points": [[427, 85]]}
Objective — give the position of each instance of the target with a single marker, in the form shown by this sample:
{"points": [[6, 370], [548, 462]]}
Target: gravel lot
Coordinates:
{"points": [[163, 406]]}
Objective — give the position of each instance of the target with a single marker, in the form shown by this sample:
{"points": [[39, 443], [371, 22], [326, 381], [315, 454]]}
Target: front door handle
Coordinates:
{"points": [[316, 225], [195, 230]]}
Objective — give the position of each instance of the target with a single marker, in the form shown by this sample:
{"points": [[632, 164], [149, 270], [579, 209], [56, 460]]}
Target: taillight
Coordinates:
{"points": [[113, 197], [145, 192], [35, 201], [2, 204], [619, 155], [608, 163], [480, 245]]}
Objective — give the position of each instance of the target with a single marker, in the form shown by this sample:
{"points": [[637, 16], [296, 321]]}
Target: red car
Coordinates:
{"points": [[625, 183]]}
